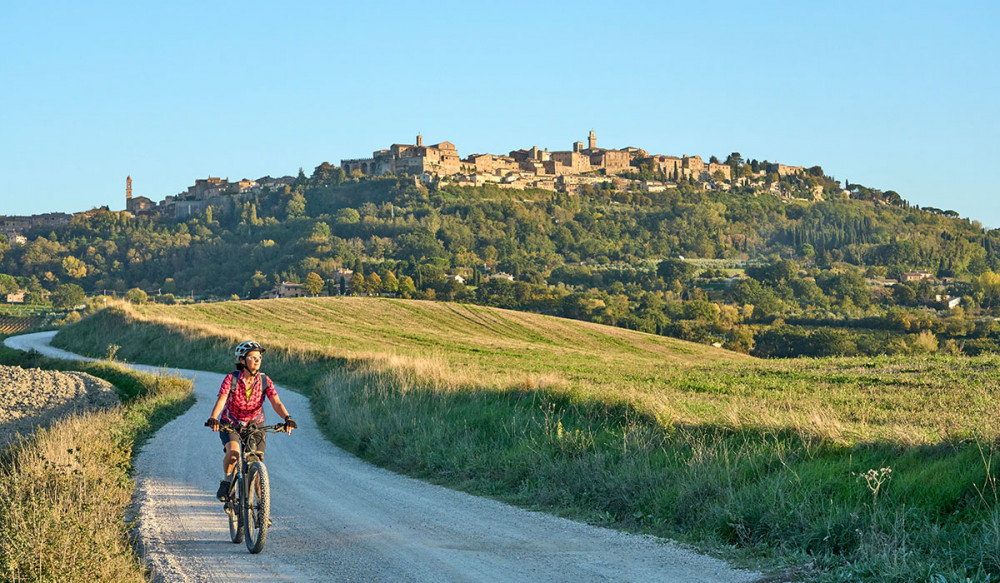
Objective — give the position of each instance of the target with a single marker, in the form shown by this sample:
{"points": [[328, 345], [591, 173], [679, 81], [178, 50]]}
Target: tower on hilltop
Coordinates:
{"points": [[128, 188], [420, 140], [592, 140]]}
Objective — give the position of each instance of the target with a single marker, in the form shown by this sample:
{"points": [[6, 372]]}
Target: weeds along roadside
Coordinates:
{"points": [[870, 510], [64, 491], [873, 512]]}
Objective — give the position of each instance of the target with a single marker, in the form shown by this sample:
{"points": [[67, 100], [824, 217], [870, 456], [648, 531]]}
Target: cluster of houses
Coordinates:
{"points": [[14, 227], [941, 300], [561, 171], [211, 191], [206, 192]]}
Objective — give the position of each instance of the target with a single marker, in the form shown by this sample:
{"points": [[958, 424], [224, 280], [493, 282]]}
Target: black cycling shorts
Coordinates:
{"points": [[260, 439]]}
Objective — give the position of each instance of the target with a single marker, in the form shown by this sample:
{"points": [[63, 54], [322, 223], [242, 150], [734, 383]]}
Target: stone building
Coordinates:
{"points": [[692, 165], [612, 161], [140, 205], [783, 170], [488, 163], [15, 226], [342, 280], [285, 289], [206, 187], [413, 159], [246, 185], [274, 184], [442, 159], [530, 154], [726, 171], [671, 165], [575, 162], [916, 276]]}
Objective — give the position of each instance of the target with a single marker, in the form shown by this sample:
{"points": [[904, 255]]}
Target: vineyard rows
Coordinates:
{"points": [[18, 324]]}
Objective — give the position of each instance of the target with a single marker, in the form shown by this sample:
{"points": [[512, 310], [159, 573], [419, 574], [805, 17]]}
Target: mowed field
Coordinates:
{"points": [[908, 400]]}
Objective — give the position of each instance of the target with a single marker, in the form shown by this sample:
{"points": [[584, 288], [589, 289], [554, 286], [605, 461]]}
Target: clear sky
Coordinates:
{"points": [[893, 95]]}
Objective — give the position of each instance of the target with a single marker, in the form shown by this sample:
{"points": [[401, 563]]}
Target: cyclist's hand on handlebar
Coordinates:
{"points": [[213, 423], [290, 424]]}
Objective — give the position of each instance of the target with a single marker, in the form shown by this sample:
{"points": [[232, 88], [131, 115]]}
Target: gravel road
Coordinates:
{"points": [[337, 518]]}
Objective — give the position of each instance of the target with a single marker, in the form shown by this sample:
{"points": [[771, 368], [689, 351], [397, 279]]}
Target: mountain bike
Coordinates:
{"points": [[249, 501]]}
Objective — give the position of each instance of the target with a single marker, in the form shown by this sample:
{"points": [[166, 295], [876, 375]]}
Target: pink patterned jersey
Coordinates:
{"points": [[245, 402]]}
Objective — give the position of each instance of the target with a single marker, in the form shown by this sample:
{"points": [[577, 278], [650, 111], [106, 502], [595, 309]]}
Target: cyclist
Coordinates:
{"points": [[241, 401]]}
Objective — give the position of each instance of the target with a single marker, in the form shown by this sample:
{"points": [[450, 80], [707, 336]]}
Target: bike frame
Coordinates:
{"points": [[238, 504]]}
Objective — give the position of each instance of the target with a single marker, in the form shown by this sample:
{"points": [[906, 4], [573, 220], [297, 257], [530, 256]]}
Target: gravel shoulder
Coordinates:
{"points": [[337, 518]]}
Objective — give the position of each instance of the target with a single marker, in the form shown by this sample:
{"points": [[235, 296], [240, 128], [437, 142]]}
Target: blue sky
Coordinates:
{"points": [[892, 95]]}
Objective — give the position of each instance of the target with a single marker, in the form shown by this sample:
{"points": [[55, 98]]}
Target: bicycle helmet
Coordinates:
{"points": [[246, 347]]}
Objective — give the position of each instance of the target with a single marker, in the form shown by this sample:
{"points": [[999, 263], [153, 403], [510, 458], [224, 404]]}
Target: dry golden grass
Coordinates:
{"points": [[63, 506], [64, 490], [908, 400]]}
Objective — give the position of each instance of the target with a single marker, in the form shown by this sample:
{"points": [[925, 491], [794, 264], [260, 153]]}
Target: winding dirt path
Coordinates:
{"points": [[337, 518]]}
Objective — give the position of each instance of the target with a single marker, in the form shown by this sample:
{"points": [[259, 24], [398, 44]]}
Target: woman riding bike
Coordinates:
{"points": [[240, 402]]}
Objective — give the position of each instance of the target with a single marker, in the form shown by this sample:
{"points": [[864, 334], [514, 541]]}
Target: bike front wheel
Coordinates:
{"points": [[234, 510], [257, 507]]}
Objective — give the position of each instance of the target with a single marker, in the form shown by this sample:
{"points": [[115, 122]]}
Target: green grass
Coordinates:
{"points": [[64, 491], [24, 309], [762, 461]]}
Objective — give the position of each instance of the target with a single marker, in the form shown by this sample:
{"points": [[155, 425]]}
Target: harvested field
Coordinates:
{"points": [[30, 398]]}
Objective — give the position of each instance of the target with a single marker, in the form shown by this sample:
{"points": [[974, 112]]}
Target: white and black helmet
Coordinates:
{"points": [[245, 348]]}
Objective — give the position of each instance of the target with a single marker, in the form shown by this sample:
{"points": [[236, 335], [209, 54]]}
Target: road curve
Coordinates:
{"points": [[337, 518]]}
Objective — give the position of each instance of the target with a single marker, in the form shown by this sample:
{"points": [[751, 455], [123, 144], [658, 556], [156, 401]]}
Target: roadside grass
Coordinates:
{"points": [[878, 469], [64, 490]]}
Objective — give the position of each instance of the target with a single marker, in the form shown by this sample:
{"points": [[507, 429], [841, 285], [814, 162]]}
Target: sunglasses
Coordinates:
{"points": [[253, 358]]}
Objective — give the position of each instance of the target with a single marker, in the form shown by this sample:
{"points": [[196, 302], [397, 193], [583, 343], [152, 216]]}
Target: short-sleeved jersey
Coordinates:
{"points": [[245, 403]]}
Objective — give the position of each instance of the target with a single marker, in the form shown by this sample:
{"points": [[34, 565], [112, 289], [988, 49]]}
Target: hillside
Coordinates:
{"points": [[809, 461], [458, 344], [903, 400], [763, 274]]}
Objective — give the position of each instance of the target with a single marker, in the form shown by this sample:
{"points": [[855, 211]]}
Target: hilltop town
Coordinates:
{"points": [[206, 192], [644, 243], [561, 171], [571, 171]]}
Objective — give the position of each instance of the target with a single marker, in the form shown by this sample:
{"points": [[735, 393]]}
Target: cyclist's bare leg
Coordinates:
{"points": [[232, 456]]}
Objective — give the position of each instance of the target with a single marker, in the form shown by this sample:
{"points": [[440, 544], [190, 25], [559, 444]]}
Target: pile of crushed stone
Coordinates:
{"points": [[33, 398]]}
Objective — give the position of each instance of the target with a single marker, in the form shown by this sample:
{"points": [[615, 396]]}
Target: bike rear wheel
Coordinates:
{"points": [[257, 509], [235, 512]]}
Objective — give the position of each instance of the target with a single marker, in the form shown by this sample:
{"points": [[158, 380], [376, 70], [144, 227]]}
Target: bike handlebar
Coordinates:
{"points": [[276, 428]]}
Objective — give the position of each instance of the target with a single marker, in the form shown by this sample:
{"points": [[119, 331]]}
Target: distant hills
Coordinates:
{"points": [[773, 272]]}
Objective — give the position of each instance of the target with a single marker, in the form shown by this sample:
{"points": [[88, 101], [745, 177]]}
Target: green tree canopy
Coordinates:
{"points": [[675, 270], [136, 296], [313, 284], [8, 284], [67, 296]]}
